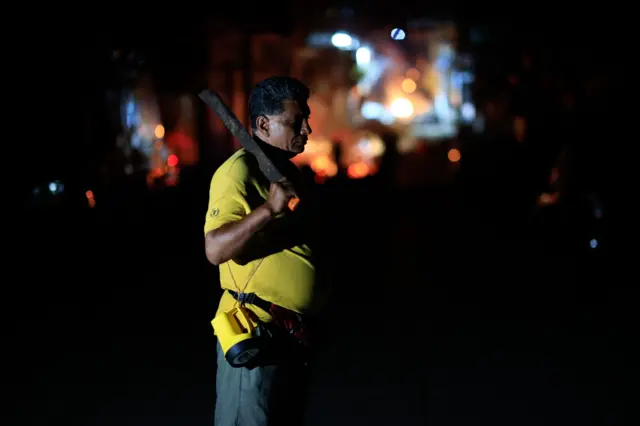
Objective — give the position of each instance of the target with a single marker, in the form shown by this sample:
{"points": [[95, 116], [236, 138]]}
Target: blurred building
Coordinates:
{"points": [[237, 61], [366, 81]]}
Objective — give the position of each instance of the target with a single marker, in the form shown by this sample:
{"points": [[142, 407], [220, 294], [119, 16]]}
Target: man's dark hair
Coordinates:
{"points": [[268, 96]]}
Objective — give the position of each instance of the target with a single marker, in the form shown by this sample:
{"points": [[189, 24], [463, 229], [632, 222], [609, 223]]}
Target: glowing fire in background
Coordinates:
{"points": [[320, 156], [324, 166], [421, 100], [360, 170]]}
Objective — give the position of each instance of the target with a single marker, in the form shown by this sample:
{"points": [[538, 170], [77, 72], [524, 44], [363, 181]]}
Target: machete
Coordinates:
{"points": [[213, 100]]}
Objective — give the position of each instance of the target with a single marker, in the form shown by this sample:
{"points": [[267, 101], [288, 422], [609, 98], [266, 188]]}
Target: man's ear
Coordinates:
{"points": [[262, 126]]}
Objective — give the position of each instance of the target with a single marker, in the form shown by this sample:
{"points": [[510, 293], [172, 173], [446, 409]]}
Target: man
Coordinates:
{"points": [[264, 250]]}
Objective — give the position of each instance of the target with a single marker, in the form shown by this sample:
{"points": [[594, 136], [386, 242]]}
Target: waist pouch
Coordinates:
{"points": [[285, 321]]}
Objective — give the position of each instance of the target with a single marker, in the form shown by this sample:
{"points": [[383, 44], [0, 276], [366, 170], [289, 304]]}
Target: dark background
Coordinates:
{"points": [[455, 303]]}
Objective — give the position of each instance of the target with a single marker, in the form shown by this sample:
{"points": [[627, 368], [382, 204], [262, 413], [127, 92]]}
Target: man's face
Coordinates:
{"points": [[288, 131]]}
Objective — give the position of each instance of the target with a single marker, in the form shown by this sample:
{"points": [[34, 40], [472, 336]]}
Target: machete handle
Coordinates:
{"points": [[293, 203]]}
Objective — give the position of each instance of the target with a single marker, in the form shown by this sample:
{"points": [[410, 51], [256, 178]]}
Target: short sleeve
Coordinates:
{"points": [[227, 202]]}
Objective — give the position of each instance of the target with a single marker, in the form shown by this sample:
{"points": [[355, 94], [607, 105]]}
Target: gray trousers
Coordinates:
{"points": [[270, 394]]}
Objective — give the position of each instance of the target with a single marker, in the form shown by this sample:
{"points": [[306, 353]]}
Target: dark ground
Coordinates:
{"points": [[446, 313]]}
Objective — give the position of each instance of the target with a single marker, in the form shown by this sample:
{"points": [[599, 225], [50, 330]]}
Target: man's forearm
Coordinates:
{"points": [[231, 240]]}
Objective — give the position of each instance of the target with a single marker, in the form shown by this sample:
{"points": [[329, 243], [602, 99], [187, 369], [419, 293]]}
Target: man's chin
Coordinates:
{"points": [[297, 149]]}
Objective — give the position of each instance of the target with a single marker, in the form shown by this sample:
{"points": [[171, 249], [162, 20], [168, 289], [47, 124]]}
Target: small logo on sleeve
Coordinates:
{"points": [[214, 212]]}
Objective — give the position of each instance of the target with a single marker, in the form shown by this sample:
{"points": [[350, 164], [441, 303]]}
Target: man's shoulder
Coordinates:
{"points": [[239, 167]]}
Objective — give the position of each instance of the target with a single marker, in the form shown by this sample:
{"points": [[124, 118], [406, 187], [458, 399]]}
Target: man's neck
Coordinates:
{"points": [[276, 155]]}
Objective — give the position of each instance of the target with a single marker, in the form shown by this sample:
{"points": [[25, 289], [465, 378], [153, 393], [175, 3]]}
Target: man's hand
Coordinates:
{"points": [[279, 195]]}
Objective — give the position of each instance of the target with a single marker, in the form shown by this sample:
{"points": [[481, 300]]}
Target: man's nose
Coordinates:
{"points": [[306, 129]]}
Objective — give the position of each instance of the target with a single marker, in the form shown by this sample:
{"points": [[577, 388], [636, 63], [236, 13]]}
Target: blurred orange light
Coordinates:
{"points": [[90, 199], [322, 165], [408, 85], [159, 131], [319, 163], [358, 170], [454, 155]]}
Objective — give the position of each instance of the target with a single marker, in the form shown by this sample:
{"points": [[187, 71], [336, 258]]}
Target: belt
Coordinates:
{"points": [[291, 321], [252, 299]]}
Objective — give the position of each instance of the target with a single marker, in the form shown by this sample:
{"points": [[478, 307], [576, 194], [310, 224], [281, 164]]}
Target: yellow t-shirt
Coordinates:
{"points": [[287, 276]]}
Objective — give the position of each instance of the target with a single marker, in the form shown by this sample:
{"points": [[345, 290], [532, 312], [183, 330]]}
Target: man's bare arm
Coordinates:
{"points": [[231, 240]]}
